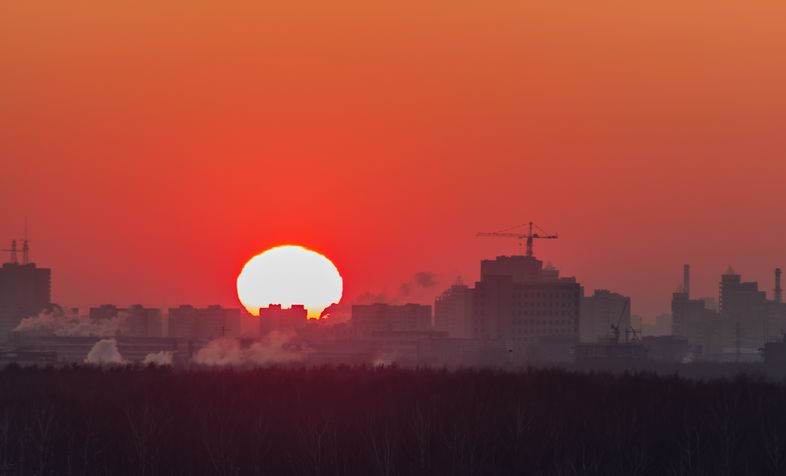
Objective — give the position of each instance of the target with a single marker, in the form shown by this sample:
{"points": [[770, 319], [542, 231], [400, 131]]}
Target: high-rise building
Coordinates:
{"points": [[600, 311], [25, 290], [526, 307], [740, 299], [749, 319], [453, 311], [368, 319], [693, 320]]}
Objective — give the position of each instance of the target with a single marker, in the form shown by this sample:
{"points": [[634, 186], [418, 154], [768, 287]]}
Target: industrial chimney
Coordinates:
{"points": [[686, 280], [778, 291]]}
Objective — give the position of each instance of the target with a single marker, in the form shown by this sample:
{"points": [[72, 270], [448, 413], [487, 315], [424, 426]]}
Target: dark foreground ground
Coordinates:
{"points": [[386, 421]]}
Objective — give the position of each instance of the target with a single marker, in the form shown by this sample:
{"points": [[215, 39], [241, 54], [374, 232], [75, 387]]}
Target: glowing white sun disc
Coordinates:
{"points": [[289, 275]]}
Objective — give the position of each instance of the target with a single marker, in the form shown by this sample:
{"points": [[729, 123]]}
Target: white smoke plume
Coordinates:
{"points": [[275, 347], [385, 359], [161, 358], [70, 323], [420, 287], [104, 352]]}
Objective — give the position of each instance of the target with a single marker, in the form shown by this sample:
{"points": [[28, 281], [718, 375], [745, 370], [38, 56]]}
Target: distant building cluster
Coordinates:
{"points": [[744, 321], [519, 311]]}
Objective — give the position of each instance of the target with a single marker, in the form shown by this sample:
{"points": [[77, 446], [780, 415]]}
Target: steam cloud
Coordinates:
{"points": [[104, 352], [162, 358], [275, 347], [385, 359], [417, 288], [70, 323]]}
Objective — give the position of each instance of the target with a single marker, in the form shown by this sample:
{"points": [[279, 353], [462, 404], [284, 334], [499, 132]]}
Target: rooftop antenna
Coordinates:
{"points": [[25, 247], [13, 252]]}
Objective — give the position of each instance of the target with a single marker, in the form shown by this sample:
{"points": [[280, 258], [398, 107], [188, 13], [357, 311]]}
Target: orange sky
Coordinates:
{"points": [[155, 147]]}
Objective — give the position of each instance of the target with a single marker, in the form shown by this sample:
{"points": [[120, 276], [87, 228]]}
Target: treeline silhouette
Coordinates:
{"points": [[384, 421]]}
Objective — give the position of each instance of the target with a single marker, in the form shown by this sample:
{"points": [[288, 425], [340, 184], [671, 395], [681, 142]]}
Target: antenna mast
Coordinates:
{"points": [[25, 247]]}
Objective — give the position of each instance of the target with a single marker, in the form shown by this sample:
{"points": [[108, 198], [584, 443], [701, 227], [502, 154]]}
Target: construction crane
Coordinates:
{"points": [[529, 236], [630, 333], [615, 328]]}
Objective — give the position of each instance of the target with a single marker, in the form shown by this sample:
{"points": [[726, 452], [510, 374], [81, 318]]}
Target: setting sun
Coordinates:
{"points": [[289, 275]]}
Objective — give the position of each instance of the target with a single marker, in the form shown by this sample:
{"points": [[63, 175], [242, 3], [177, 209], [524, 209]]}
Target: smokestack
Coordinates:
{"points": [[778, 291], [686, 280]]}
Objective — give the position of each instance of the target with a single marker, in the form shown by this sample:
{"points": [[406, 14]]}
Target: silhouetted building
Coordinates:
{"points": [[453, 311], [749, 320], [143, 322], [188, 322], [740, 299], [104, 312], [368, 319], [694, 321], [526, 308], [135, 321], [744, 321], [25, 290], [600, 311], [275, 317]]}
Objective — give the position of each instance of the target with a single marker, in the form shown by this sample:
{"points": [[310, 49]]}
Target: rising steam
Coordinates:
{"points": [[104, 352], [70, 323], [275, 347], [161, 358], [418, 288]]}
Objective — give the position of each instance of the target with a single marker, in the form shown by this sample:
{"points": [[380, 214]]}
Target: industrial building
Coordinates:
{"points": [[744, 322], [25, 290]]}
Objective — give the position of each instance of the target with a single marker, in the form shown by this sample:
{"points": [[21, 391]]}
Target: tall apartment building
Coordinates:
{"points": [[453, 311], [25, 290], [519, 303]]}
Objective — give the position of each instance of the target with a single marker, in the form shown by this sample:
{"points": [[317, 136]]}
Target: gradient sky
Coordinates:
{"points": [[155, 146]]}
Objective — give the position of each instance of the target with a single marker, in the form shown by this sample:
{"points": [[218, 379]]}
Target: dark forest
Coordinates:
{"points": [[384, 421]]}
